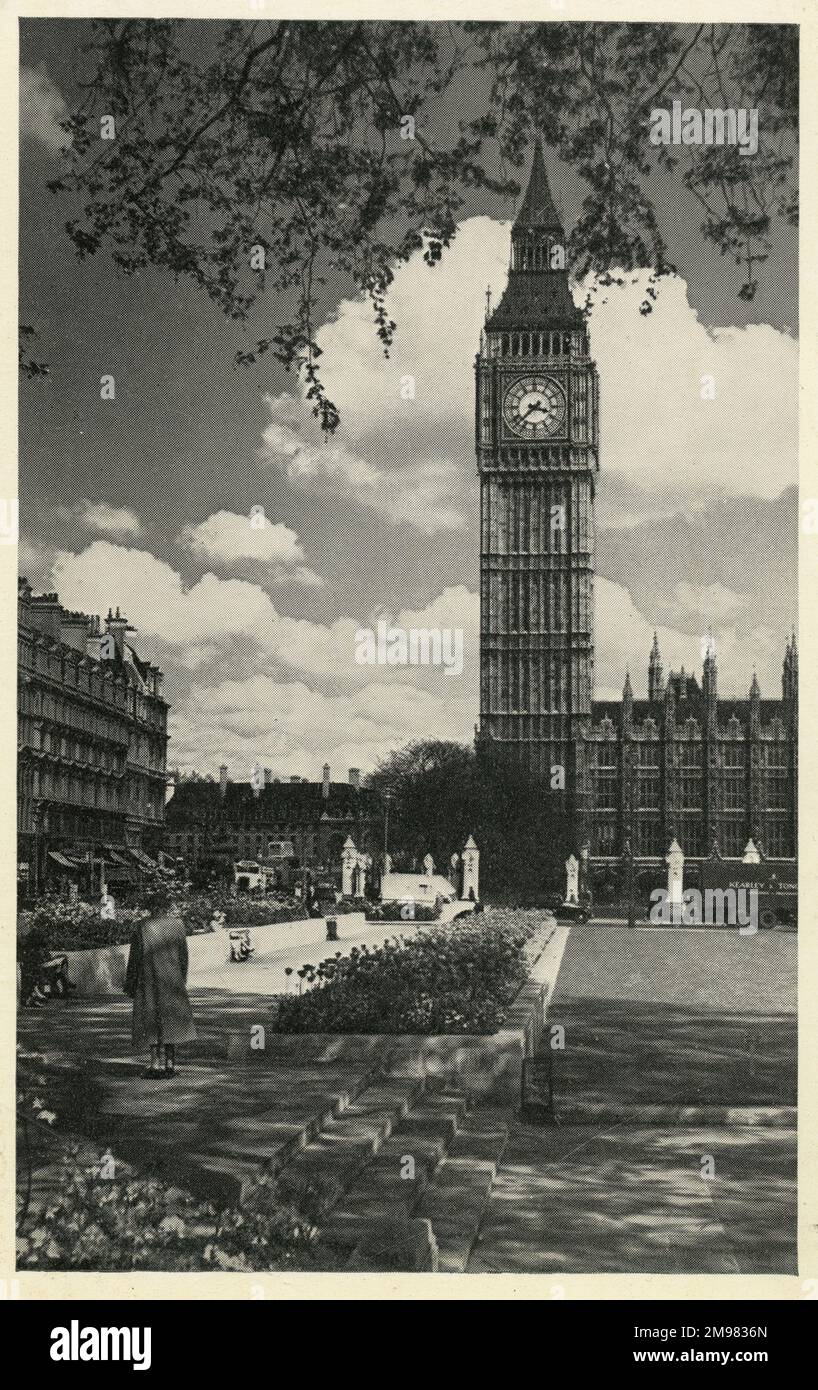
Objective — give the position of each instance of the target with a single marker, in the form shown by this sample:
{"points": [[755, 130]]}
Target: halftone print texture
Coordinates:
{"points": [[408, 647]]}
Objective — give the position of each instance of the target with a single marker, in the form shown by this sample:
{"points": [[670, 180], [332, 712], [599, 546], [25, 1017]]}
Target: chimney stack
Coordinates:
{"points": [[223, 781], [268, 776], [75, 630], [355, 778], [325, 783], [117, 626]]}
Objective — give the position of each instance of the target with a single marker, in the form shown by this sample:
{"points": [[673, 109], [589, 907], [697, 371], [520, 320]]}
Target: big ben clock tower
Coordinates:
{"points": [[537, 454]]}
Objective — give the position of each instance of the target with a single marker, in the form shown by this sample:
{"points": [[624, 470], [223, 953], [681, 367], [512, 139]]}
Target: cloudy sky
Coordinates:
{"points": [[154, 501]]}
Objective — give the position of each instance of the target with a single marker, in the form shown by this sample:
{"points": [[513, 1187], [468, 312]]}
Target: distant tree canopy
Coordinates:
{"points": [[440, 793], [287, 136]]}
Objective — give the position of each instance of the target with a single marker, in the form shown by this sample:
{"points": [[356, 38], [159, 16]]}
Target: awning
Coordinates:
{"points": [[142, 858], [61, 860], [117, 873]]}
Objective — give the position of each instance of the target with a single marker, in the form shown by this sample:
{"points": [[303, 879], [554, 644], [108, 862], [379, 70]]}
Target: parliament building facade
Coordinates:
{"points": [[681, 765]]}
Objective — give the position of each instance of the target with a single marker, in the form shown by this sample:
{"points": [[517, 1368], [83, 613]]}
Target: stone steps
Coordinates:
{"points": [[417, 1203], [457, 1196]]}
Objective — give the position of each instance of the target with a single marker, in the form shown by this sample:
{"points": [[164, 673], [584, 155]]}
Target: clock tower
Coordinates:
{"points": [[537, 455]]}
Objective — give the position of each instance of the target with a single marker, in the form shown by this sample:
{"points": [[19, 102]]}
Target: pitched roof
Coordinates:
{"points": [[293, 802]]}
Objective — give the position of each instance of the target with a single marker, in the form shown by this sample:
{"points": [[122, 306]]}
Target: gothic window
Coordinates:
{"points": [[605, 790], [648, 833], [776, 838], [691, 753], [691, 792], [777, 788], [647, 793], [733, 794], [775, 756], [690, 838], [731, 838], [647, 755]]}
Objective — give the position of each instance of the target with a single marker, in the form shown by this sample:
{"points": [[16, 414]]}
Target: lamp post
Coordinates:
{"points": [[387, 797]]}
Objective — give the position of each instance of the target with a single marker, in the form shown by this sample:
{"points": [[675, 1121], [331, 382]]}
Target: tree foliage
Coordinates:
{"points": [[287, 136], [441, 792]]}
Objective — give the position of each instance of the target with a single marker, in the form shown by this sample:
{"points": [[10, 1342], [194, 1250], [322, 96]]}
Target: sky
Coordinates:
{"points": [[152, 501]]}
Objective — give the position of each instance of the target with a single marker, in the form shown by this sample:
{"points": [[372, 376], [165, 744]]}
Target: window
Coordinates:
{"points": [[733, 796]]}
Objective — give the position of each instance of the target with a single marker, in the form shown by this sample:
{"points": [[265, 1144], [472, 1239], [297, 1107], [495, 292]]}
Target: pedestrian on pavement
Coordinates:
{"points": [[156, 979]]}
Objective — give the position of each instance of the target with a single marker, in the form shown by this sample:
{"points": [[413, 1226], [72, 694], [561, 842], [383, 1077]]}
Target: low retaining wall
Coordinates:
{"points": [[102, 971]]}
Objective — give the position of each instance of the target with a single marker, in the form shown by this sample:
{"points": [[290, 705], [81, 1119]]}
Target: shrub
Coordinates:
{"points": [[455, 979], [253, 912], [397, 911], [344, 908]]}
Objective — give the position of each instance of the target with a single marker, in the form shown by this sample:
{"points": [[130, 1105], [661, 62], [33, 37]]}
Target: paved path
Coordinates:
{"points": [[266, 972], [703, 1020]]}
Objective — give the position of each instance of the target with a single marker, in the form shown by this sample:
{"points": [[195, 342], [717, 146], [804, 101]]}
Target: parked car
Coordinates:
{"points": [[574, 912]]}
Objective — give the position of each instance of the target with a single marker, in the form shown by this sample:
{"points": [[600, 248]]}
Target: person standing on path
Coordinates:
{"points": [[156, 980]]}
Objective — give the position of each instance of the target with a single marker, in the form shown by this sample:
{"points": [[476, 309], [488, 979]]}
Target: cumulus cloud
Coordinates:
{"points": [[687, 412], [116, 521], [295, 729], [41, 109], [417, 492], [239, 541], [219, 618], [405, 444], [710, 600], [334, 708], [101, 517], [624, 637]]}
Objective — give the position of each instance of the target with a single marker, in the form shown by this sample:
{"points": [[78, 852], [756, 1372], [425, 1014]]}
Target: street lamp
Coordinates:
{"points": [[387, 797]]}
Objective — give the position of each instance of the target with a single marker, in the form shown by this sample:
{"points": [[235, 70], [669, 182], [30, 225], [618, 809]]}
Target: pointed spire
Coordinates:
{"points": [[755, 688], [627, 699], [656, 683], [537, 294], [537, 208]]}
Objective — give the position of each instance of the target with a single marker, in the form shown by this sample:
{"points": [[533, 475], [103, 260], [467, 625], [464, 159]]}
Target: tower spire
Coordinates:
{"points": [[656, 681], [537, 209]]}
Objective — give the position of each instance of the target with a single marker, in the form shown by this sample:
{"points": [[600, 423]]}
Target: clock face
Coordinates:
{"points": [[534, 407]]}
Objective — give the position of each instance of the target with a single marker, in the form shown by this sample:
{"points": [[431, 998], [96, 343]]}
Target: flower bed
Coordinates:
{"points": [[103, 1215], [54, 925], [455, 979]]}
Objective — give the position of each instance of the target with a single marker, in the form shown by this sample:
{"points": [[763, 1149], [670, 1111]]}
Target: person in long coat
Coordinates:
{"points": [[156, 979]]}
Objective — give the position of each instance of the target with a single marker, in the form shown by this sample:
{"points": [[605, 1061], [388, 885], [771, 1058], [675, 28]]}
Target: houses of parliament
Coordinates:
{"points": [[682, 764]]}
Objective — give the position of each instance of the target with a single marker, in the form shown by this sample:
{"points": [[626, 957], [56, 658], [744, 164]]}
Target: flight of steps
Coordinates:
{"points": [[412, 1170]]}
